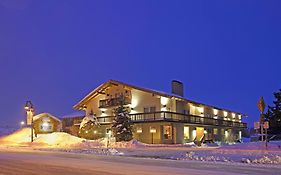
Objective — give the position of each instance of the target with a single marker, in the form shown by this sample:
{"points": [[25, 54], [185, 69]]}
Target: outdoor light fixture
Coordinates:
{"points": [[139, 130], [95, 131], [84, 107], [215, 112]]}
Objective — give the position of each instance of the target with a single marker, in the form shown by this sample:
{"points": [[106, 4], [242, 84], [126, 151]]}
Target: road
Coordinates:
{"points": [[57, 163]]}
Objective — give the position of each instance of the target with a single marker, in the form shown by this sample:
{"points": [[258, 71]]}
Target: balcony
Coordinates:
{"points": [[183, 118], [111, 102], [171, 117]]}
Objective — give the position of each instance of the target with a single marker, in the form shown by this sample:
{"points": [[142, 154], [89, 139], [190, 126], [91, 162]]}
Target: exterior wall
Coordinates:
{"points": [[142, 99], [37, 125]]}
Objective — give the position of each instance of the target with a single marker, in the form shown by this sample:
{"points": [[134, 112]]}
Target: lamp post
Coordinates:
{"points": [[29, 116]]}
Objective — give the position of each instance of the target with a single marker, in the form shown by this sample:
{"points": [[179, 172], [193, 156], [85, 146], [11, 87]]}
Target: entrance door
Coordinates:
{"points": [[199, 133]]}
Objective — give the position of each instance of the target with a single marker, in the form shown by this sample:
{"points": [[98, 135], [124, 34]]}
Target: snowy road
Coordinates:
{"points": [[45, 163]]}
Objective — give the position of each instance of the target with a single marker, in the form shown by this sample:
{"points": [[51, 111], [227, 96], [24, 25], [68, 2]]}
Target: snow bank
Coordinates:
{"points": [[53, 140], [273, 145], [17, 137]]}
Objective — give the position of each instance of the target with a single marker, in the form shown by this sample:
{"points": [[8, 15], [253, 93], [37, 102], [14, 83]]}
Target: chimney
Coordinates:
{"points": [[177, 88]]}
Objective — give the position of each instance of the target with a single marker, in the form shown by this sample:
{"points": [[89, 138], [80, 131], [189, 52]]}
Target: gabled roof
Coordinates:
{"points": [[101, 90], [36, 117]]}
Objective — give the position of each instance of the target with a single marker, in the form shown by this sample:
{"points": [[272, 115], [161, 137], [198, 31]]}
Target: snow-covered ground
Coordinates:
{"points": [[250, 153]]}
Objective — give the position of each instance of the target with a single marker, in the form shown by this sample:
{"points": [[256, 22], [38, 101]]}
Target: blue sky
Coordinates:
{"points": [[227, 53]]}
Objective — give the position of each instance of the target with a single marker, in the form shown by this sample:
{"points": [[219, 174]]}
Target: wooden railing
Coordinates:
{"points": [[114, 102], [175, 117], [178, 117]]}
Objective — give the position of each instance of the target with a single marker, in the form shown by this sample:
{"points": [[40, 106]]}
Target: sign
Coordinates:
{"points": [[261, 105], [257, 125], [266, 125]]}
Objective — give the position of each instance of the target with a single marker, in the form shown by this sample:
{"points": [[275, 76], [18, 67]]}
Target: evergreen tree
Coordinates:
{"points": [[91, 131], [122, 127], [273, 114]]}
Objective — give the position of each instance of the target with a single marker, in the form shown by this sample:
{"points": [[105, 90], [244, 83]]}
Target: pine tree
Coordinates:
{"points": [[90, 130], [273, 114], [122, 127]]}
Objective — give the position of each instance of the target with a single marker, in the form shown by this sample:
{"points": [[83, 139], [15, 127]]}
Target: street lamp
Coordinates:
{"points": [[29, 116], [152, 131], [22, 124]]}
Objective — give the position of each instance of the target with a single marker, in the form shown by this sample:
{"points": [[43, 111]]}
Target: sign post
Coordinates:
{"points": [[261, 106]]}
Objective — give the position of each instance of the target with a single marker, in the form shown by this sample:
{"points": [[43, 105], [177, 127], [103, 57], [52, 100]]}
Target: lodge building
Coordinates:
{"points": [[157, 117]]}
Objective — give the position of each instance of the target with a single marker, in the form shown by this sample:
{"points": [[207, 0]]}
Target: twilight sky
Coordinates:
{"points": [[54, 52]]}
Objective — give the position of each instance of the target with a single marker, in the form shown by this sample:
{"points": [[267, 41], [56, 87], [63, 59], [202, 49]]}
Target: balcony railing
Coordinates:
{"points": [[173, 117], [114, 102], [184, 118]]}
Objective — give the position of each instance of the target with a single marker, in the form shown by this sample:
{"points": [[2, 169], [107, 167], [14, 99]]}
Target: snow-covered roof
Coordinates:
{"points": [[36, 117], [74, 114], [105, 85]]}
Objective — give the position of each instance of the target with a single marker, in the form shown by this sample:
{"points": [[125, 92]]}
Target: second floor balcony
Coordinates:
{"points": [[162, 116], [111, 102]]}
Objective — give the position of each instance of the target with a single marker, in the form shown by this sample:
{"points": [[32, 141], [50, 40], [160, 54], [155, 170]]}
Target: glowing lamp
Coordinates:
{"points": [[225, 113], [139, 130], [152, 130]]}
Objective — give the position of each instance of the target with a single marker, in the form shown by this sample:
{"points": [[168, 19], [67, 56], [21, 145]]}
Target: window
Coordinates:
{"points": [[215, 131], [167, 132], [152, 109], [186, 133], [145, 110], [149, 109]]}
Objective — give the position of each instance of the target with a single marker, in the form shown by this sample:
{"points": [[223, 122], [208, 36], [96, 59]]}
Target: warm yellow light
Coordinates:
{"points": [[233, 115], [152, 130], [26, 108], [216, 111], [95, 132], [45, 124], [201, 110], [226, 133], [164, 100], [225, 113], [134, 102], [139, 130], [22, 123]]}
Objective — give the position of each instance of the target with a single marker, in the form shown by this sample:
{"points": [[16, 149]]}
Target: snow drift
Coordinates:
{"points": [[53, 140]]}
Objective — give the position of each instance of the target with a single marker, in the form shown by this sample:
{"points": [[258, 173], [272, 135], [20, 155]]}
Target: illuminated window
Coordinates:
{"points": [[186, 132], [215, 131], [167, 132]]}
